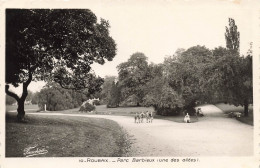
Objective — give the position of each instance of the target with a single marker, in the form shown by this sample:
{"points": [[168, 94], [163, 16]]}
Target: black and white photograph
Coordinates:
{"points": [[129, 81]]}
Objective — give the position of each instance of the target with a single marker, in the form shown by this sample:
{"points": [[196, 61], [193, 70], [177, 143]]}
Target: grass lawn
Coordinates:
{"points": [[122, 111], [65, 136], [103, 110], [130, 111], [11, 108], [231, 108]]}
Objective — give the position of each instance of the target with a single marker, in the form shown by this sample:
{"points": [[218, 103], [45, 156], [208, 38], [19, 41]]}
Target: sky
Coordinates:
{"points": [[157, 28]]}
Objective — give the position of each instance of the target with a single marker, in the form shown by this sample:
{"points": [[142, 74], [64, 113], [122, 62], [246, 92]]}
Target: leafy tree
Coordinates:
{"points": [[133, 76], [162, 97], [185, 74], [29, 96], [55, 45], [57, 98], [106, 87], [35, 98], [229, 78], [114, 95], [53, 99], [232, 36], [246, 86]]}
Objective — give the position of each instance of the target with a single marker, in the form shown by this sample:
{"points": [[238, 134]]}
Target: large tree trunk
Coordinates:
{"points": [[21, 100], [20, 110], [245, 107]]}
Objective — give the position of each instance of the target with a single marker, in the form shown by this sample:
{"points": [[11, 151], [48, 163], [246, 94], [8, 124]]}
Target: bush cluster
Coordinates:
{"points": [[59, 99], [87, 107]]}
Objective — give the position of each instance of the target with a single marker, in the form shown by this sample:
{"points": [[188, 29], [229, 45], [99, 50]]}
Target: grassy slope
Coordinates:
{"points": [[65, 136]]}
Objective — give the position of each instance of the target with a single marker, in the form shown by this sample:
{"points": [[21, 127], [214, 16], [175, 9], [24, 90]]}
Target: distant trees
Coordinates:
{"points": [[191, 77], [29, 96], [58, 98], [114, 96], [237, 80], [35, 98], [106, 88]]}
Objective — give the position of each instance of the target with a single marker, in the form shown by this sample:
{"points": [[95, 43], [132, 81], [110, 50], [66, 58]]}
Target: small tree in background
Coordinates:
{"points": [[114, 95], [106, 88], [57, 98], [232, 36], [35, 98]]}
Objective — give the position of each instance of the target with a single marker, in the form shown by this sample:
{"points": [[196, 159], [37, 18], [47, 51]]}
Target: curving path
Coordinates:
{"points": [[213, 135]]}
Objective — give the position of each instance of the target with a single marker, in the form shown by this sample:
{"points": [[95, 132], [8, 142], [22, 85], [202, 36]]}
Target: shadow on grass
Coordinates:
{"points": [[65, 136]]}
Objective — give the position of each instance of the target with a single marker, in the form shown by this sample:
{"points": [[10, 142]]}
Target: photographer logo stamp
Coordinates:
{"points": [[34, 151]]}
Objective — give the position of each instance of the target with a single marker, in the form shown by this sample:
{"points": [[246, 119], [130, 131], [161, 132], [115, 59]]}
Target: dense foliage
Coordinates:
{"points": [[114, 95], [55, 45], [188, 78], [106, 88], [57, 98], [133, 75]]}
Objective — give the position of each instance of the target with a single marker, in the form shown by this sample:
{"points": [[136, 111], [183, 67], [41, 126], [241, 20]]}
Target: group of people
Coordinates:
{"points": [[139, 117]]}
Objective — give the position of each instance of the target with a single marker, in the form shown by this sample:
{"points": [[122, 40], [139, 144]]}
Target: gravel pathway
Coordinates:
{"points": [[213, 135]]}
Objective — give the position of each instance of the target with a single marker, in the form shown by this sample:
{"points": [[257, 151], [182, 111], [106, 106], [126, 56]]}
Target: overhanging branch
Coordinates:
{"points": [[11, 93]]}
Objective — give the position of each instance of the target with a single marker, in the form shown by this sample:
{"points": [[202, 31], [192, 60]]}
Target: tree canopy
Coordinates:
{"points": [[55, 45], [133, 75]]}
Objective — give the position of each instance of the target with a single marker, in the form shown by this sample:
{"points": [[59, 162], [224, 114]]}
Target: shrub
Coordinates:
{"points": [[87, 107]]}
